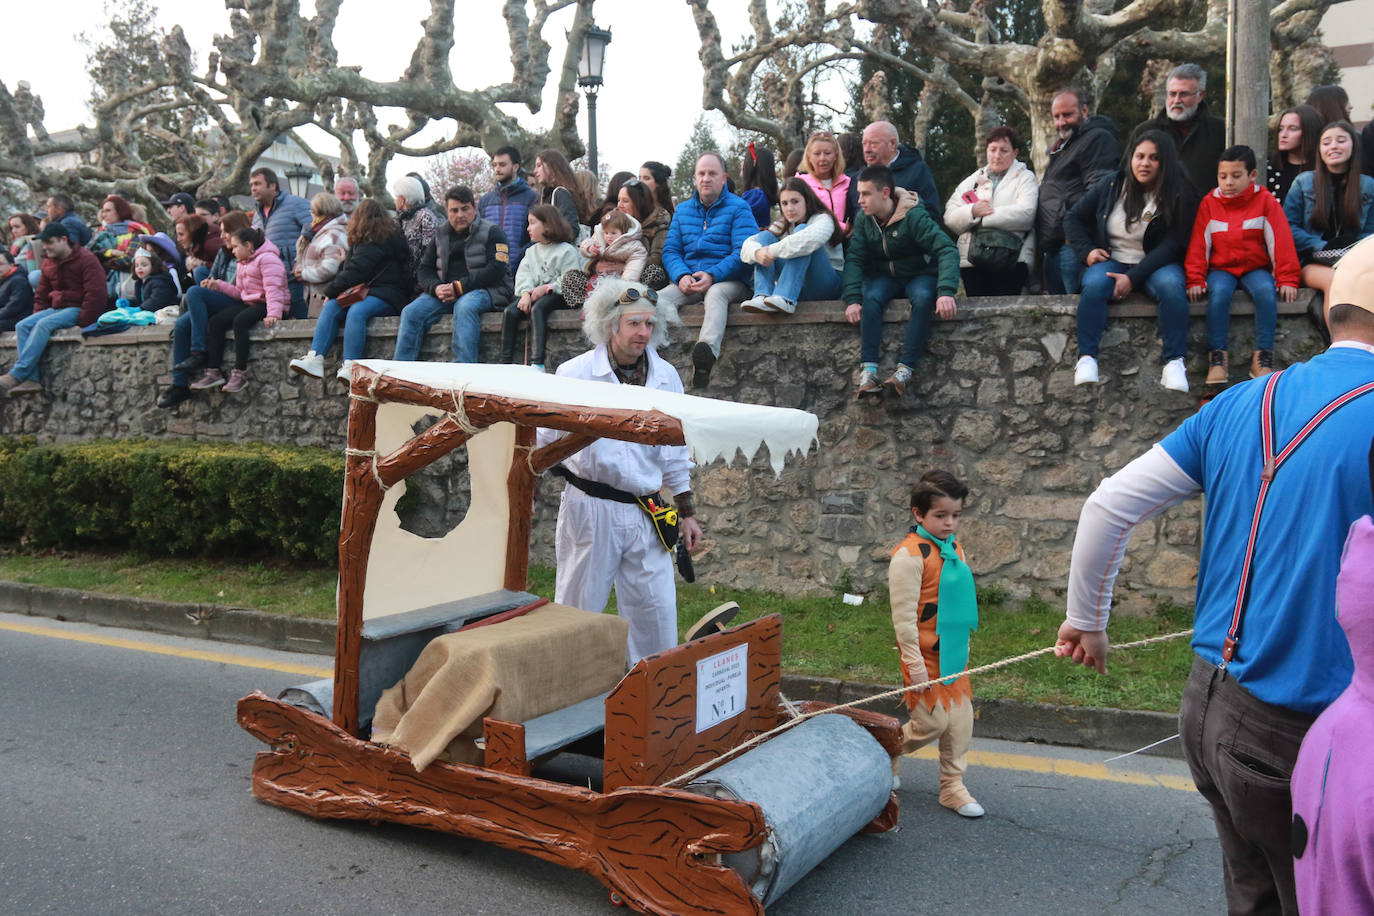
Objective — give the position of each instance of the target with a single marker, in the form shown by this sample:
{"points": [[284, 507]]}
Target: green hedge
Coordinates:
{"points": [[173, 497]]}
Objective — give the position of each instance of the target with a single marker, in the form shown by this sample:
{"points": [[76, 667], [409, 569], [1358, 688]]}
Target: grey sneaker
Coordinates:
{"points": [[897, 381], [213, 378], [868, 383]]}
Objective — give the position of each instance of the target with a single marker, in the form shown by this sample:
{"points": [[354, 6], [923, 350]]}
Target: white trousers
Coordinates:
{"points": [[601, 543], [717, 299]]}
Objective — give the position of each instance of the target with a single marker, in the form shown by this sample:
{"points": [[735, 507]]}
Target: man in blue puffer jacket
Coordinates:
{"points": [[702, 259], [282, 217], [508, 204]]}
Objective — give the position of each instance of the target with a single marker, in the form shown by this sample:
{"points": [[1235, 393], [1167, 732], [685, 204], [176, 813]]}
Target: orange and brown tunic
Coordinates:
{"points": [[913, 581]]}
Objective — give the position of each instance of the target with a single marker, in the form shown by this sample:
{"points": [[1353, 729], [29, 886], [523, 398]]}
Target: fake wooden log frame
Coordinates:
{"points": [[367, 476], [658, 848]]}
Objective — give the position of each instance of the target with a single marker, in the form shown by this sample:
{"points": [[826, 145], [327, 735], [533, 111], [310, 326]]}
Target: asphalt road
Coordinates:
{"points": [[126, 787]]}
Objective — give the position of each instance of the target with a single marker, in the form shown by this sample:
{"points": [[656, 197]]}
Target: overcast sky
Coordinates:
{"points": [[645, 110]]}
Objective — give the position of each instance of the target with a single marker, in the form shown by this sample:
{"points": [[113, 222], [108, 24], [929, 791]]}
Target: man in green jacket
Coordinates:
{"points": [[895, 246]]}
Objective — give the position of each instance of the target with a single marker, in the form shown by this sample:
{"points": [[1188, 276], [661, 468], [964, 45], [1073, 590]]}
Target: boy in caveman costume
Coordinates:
{"points": [[934, 609]]}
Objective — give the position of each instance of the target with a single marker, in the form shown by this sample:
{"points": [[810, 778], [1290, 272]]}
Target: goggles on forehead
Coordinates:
{"points": [[632, 295]]}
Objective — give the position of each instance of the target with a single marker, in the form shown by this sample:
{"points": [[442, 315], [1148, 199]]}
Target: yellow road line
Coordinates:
{"points": [[1075, 769], [140, 646]]}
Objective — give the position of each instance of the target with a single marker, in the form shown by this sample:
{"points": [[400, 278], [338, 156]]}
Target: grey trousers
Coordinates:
{"points": [[717, 298]]}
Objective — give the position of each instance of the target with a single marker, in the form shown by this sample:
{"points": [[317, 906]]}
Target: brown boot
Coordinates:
{"points": [[1219, 373], [1261, 363]]}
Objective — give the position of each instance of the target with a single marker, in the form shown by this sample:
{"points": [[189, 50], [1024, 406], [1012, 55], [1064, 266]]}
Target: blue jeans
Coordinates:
{"points": [[1063, 271], [1260, 285], [807, 277], [33, 333], [1165, 285], [419, 316], [200, 273], [920, 290], [354, 319], [201, 303]]}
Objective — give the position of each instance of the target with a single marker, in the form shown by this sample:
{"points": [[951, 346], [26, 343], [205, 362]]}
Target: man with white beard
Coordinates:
{"points": [[1085, 153], [1199, 136], [346, 190]]}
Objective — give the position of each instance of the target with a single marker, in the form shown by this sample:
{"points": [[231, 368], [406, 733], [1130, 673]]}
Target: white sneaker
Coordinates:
{"points": [[1175, 376], [972, 809], [755, 304], [311, 364], [345, 373], [779, 304], [1085, 373]]}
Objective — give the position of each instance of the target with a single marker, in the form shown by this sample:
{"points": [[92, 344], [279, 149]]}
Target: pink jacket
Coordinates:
{"points": [[834, 197], [262, 278]]}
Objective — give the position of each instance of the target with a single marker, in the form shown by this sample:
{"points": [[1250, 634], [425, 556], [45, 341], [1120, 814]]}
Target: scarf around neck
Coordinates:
{"points": [[957, 609]]}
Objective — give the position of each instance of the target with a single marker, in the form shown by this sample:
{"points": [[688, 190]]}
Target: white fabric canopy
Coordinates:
{"points": [[713, 428]]}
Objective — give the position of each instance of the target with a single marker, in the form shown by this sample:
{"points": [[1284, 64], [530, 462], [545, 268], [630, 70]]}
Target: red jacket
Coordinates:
{"points": [[1239, 234], [76, 281]]}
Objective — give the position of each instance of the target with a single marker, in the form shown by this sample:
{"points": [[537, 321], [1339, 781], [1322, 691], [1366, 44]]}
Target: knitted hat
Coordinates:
{"points": [[1353, 283]]}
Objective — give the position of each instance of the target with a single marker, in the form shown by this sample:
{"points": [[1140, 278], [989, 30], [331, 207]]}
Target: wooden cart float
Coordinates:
{"points": [[663, 851]]}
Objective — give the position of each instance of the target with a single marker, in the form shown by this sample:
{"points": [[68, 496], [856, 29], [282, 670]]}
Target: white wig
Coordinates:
{"points": [[409, 188], [602, 311]]}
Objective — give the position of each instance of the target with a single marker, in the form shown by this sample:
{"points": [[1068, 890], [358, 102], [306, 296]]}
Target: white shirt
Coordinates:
{"points": [[635, 468]]}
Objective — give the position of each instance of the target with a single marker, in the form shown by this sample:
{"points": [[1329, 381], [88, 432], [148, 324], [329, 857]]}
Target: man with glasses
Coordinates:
{"points": [[1199, 136], [605, 537]]}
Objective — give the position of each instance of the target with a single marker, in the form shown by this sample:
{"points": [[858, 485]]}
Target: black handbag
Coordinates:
{"points": [[994, 249]]}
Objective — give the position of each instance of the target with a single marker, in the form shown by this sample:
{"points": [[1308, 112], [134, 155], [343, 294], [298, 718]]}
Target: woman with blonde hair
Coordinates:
{"points": [[822, 168]]}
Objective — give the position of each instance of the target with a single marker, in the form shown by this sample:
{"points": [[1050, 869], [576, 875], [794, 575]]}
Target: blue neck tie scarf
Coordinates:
{"points": [[957, 613]]}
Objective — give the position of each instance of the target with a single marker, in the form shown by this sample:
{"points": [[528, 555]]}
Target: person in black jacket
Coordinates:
{"points": [[379, 257], [16, 294], [1198, 136], [1085, 153], [463, 269], [1131, 231], [882, 147]]}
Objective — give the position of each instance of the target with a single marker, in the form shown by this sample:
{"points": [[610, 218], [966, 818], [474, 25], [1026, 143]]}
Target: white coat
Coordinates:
{"points": [[600, 543], [1013, 208]]}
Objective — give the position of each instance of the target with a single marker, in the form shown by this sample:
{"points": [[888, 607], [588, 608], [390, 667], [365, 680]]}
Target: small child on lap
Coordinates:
{"points": [[1240, 236], [934, 609]]}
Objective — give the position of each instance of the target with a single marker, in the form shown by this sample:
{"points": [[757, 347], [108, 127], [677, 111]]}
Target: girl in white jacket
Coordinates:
{"points": [[1000, 196], [798, 257], [538, 281]]}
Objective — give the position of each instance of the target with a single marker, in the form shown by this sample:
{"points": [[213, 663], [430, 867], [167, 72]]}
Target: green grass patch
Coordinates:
{"points": [[822, 636]]}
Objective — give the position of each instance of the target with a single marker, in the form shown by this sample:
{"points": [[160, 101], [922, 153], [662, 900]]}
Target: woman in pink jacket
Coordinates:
{"points": [[822, 168], [258, 293]]}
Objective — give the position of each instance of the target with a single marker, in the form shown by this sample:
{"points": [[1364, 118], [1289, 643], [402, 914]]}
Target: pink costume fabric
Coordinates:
{"points": [[1333, 782]]}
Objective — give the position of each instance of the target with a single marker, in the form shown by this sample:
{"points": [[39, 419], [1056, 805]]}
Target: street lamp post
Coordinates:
{"points": [[594, 43], [298, 179]]}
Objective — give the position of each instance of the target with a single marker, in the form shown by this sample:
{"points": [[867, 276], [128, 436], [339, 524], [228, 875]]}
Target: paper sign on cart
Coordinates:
{"points": [[722, 686]]}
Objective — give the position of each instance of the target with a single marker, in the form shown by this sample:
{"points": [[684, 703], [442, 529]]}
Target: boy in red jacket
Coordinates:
{"points": [[1241, 236]]}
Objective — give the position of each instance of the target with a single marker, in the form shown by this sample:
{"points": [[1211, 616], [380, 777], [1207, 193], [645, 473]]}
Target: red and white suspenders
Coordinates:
{"points": [[1272, 462]]}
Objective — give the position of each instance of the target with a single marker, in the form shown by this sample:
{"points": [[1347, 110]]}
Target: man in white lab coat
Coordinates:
{"points": [[604, 536]]}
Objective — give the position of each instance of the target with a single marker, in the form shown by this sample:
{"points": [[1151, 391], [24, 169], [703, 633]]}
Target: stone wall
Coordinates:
{"points": [[994, 402]]}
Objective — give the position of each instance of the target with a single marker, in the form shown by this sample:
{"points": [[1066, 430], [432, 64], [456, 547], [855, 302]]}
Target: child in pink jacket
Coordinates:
{"points": [[258, 293]]}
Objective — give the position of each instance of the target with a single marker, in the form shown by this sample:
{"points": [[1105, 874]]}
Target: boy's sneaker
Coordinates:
{"points": [[1175, 375], [1219, 372], [538, 367], [868, 383], [1261, 363], [702, 362], [7, 383], [1085, 373], [897, 381], [213, 378], [238, 380], [27, 386], [192, 363], [755, 304], [345, 373], [311, 364], [779, 304], [174, 396]]}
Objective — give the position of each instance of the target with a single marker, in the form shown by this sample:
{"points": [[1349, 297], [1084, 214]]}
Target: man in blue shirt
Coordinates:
{"points": [[702, 259], [1285, 466]]}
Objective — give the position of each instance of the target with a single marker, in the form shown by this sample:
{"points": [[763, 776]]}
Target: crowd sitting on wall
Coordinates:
{"points": [[1170, 213]]}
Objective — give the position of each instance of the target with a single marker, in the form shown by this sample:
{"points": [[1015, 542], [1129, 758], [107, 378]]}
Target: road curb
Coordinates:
{"points": [[1008, 720]]}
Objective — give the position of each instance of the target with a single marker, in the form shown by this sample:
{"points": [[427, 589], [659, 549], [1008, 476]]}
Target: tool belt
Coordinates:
{"points": [[663, 517]]}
